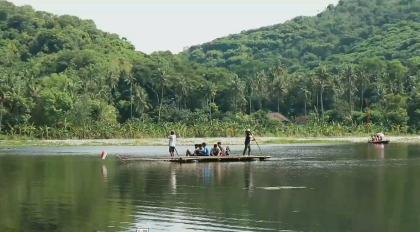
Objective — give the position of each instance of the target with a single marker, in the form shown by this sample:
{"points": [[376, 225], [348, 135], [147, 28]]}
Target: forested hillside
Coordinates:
{"points": [[61, 76], [347, 33], [356, 63]]}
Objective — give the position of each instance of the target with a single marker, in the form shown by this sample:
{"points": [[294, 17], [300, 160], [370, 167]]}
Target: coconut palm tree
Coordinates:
{"points": [[280, 84], [322, 78]]}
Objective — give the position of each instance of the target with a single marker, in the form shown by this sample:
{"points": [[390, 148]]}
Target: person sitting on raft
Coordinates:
{"points": [[205, 151], [227, 152], [196, 151], [199, 150], [223, 151], [215, 151]]}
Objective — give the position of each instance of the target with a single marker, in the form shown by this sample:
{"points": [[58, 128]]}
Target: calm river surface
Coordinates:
{"points": [[357, 187]]}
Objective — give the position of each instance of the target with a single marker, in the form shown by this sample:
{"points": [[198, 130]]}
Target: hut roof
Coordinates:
{"points": [[278, 117]]}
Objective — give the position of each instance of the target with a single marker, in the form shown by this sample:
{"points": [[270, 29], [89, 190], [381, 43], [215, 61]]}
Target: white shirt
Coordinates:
{"points": [[172, 140]]}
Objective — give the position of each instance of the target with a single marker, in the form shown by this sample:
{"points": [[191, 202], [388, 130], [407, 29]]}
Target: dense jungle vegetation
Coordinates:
{"points": [[352, 69]]}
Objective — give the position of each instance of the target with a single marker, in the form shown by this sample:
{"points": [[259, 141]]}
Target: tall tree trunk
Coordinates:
{"points": [[350, 100], [322, 101], [250, 102], [160, 103], [362, 97], [234, 104], [1, 115], [209, 104], [131, 100]]}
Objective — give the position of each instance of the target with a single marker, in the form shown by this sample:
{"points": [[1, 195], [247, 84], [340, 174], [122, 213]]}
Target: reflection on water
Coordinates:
{"points": [[380, 151], [304, 188], [173, 181], [249, 184], [104, 172]]}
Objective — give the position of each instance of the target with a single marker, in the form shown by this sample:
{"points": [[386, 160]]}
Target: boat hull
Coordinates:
{"points": [[379, 142]]}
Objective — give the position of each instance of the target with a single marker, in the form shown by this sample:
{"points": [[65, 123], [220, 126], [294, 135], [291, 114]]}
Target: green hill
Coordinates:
{"points": [[356, 56], [353, 64], [60, 72], [347, 33]]}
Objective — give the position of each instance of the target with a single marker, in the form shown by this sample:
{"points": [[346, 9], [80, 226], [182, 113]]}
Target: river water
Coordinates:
{"points": [[355, 187]]}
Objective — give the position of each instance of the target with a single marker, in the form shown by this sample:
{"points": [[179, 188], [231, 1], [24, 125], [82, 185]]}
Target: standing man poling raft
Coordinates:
{"points": [[172, 143], [248, 138]]}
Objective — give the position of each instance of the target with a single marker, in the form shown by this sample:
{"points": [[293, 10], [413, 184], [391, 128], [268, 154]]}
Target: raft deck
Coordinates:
{"points": [[193, 159]]}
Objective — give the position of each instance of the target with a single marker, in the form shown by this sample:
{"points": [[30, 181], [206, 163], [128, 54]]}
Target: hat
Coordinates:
{"points": [[248, 130]]}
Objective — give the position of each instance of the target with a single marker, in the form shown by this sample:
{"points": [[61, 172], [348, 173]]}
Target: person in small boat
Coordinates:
{"points": [[381, 136], [373, 138], [248, 138], [205, 151], [378, 137], [215, 151]]}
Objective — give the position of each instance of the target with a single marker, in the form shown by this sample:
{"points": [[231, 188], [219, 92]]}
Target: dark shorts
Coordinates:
{"points": [[171, 149]]}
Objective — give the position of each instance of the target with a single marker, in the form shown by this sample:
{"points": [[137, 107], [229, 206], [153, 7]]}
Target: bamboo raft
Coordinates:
{"points": [[198, 159]]}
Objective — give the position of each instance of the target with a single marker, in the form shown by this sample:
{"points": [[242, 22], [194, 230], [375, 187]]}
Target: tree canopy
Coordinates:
{"points": [[355, 63]]}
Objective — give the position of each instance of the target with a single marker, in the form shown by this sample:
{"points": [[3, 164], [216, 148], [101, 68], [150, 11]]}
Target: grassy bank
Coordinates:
{"points": [[141, 130], [138, 133], [188, 141]]}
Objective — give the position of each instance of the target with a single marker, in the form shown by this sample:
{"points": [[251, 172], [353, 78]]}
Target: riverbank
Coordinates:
{"points": [[189, 141]]}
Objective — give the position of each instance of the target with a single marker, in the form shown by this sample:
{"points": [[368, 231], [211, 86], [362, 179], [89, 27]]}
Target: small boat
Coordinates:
{"points": [[378, 138], [379, 142]]}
